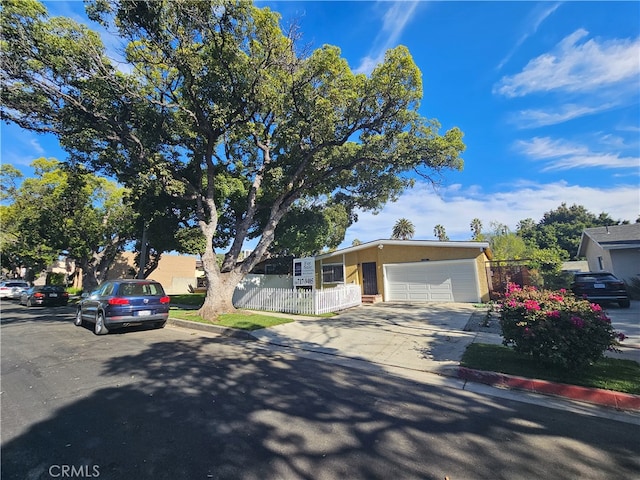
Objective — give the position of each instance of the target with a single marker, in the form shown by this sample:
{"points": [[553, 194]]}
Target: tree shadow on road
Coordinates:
{"points": [[219, 408]]}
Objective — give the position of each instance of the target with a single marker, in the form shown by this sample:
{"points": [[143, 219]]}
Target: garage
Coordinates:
{"points": [[433, 281]]}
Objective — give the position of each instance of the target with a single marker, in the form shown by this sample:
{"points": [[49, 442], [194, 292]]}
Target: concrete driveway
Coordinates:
{"points": [[422, 336], [425, 337]]}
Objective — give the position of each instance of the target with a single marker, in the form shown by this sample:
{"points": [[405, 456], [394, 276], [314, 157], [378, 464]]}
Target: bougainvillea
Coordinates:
{"points": [[555, 326]]}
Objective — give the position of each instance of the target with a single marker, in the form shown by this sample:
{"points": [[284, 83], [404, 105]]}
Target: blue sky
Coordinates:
{"points": [[547, 94]]}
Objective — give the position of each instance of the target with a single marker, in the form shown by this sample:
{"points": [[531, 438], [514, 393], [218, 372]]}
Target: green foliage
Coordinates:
{"points": [[306, 230], [476, 230], [64, 211], [608, 373], [555, 327], [56, 279], [561, 229], [222, 111], [440, 233], [403, 230], [74, 291]]}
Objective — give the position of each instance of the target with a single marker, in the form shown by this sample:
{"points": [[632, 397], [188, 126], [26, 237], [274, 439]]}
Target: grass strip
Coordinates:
{"points": [[241, 321], [607, 373]]}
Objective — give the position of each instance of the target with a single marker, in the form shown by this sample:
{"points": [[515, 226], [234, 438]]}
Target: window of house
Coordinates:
{"points": [[600, 263], [269, 269], [333, 273]]}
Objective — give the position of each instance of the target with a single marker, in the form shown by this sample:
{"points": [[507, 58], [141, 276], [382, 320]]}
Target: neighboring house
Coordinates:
{"points": [[614, 249], [176, 273], [410, 270]]}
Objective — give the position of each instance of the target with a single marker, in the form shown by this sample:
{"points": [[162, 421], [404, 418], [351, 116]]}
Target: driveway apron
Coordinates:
{"points": [[419, 336]]}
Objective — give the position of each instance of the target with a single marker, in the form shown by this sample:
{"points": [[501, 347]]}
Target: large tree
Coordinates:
{"points": [[64, 211], [561, 229], [224, 110]]}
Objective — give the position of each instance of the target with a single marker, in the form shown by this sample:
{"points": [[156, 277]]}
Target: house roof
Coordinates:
{"points": [[410, 243], [611, 237]]}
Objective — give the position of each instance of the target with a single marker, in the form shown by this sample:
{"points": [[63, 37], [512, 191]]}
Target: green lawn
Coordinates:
{"points": [[242, 320], [607, 373]]}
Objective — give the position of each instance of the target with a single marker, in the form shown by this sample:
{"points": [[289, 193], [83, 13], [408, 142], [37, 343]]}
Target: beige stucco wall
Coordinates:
{"points": [[175, 272], [401, 254]]}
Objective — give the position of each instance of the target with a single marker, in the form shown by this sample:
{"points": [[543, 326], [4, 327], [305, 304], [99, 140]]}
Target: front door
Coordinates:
{"points": [[369, 278]]}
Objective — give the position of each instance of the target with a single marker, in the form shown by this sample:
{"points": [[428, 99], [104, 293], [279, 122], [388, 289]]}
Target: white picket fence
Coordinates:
{"points": [[298, 301]]}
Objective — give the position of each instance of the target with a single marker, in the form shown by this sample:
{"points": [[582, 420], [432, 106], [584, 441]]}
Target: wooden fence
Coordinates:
{"points": [[298, 301]]}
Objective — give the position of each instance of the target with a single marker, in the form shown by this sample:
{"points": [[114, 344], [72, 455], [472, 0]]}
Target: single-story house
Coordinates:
{"points": [[614, 249], [410, 270]]}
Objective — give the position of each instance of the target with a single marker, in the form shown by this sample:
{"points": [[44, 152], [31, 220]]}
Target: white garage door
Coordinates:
{"points": [[440, 281]]}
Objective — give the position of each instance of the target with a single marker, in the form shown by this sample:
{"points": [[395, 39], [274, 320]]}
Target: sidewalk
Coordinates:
{"points": [[413, 340]]}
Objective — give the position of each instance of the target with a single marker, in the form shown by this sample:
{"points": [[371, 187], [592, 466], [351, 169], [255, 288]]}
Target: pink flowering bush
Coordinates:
{"points": [[555, 326]]}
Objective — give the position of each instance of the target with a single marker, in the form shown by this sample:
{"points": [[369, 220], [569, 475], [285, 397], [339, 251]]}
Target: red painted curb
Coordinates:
{"points": [[598, 396]]}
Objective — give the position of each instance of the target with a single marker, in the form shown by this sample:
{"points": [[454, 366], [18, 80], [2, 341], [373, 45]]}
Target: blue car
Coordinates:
{"points": [[124, 303]]}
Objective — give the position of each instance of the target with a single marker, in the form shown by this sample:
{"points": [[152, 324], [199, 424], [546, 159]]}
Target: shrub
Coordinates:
{"points": [[74, 291], [555, 326]]}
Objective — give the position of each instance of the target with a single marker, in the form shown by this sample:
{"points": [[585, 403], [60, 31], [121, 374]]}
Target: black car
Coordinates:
{"points": [[600, 287], [44, 295], [123, 303]]}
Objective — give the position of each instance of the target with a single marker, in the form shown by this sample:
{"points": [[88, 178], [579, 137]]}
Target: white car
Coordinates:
{"points": [[9, 288]]}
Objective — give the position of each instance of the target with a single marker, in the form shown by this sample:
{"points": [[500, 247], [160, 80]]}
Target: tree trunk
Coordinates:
{"points": [[89, 281], [220, 286], [219, 297], [143, 254]]}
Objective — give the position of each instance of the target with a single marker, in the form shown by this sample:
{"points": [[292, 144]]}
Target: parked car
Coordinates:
{"points": [[123, 303], [600, 287], [7, 285], [44, 295], [16, 292]]}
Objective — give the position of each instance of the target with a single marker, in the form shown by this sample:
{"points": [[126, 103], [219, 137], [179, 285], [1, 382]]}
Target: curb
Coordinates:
{"points": [[598, 396], [203, 327]]}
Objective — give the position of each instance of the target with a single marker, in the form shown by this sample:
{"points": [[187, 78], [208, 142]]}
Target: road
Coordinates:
{"points": [[178, 404]]}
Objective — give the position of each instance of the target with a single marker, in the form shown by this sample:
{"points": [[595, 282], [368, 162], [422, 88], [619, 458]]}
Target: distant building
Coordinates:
{"points": [[614, 249]]}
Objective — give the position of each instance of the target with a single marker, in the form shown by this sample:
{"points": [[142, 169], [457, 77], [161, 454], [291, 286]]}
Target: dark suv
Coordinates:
{"points": [[124, 303], [600, 287]]}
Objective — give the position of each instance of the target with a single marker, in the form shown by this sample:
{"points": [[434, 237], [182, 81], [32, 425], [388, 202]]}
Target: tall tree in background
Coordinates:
{"points": [[403, 230], [24, 226], [70, 212], [226, 113], [561, 229], [476, 230], [440, 233]]}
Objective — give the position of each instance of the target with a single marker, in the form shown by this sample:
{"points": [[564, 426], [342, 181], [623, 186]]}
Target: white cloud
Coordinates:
{"points": [[564, 113], [394, 21], [454, 208], [538, 15], [577, 66], [563, 155]]}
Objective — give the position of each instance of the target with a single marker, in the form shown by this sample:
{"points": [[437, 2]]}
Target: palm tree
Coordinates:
{"points": [[476, 229], [403, 230], [440, 232]]}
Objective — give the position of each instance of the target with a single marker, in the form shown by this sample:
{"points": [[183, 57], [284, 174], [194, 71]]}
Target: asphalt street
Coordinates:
{"points": [[181, 404]]}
